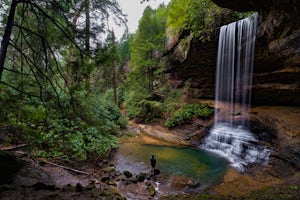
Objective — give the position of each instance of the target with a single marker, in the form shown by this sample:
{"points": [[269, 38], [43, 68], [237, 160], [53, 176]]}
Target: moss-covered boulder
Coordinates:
{"points": [[151, 190], [127, 173]]}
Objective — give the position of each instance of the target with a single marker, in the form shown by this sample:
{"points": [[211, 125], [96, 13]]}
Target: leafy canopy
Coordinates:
{"points": [[192, 15]]}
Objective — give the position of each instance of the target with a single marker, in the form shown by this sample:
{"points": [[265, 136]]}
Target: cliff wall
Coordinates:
{"points": [[276, 78]]}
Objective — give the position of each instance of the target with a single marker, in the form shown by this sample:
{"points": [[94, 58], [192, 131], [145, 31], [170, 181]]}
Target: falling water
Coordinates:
{"points": [[233, 88]]}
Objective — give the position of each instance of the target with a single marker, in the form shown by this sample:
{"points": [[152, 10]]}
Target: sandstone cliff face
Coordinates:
{"points": [[276, 78]]}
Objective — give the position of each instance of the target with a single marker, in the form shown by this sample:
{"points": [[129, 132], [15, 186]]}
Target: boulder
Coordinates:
{"points": [[9, 165], [127, 173]]}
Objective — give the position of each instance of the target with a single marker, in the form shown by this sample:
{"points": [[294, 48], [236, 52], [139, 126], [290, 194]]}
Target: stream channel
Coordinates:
{"points": [[134, 155]]}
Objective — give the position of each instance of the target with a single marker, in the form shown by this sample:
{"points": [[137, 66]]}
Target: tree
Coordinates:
{"points": [[35, 95], [146, 51], [147, 47], [7, 34], [192, 15]]}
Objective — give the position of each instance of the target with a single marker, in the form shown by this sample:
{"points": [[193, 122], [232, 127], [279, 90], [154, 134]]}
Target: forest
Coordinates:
{"points": [[69, 89], [65, 79]]}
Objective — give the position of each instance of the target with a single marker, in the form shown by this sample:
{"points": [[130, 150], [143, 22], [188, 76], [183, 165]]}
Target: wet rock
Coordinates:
{"points": [[90, 186], [42, 186], [186, 137], [96, 193], [112, 183], [9, 165], [54, 196], [95, 181], [156, 172], [118, 173], [133, 180], [68, 188], [128, 174], [141, 177], [112, 192], [79, 187], [6, 187], [109, 169], [105, 179], [179, 183], [126, 182], [148, 183], [285, 161]]}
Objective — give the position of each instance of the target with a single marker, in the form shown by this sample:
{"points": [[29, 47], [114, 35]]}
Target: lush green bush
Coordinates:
{"points": [[109, 95], [79, 128], [192, 15], [143, 108], [171, 101], [189, 112], [74, 139], [86, 132]]}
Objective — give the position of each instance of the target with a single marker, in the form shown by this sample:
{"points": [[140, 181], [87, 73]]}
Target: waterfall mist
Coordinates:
{"points": [[233, 88]]}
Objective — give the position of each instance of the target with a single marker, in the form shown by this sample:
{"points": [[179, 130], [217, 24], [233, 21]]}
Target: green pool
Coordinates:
{"points": [[196, 163]]}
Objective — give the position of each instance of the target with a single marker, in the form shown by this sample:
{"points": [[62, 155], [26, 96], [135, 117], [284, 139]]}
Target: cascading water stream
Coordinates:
{"points": [[233, 88]]}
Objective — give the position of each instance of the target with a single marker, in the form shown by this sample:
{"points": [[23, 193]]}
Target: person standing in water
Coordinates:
{"points": [[153, 162]]}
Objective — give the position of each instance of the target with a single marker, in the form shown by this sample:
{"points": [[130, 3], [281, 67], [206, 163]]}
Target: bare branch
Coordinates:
{"points": [[17, 89], [16, 72], [67, 168], [60, 27], [46, 45], [32, 63]]}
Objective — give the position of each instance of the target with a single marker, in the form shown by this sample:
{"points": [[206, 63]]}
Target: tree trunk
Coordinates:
{"points": [[87, 26], [114, 81], [6, 36]]}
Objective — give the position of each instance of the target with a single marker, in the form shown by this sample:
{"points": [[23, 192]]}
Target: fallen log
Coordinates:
{"points": [[65, 167], [9, 148]]}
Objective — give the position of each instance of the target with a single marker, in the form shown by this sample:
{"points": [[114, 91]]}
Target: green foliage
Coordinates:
{"points": [[123, 49], [109, 95], [171, 101], [50, 90], [242, 15], [143, 108], [74, 139], [86, 128], [145, 48], [192, 15], [145, 76], [87, 132], [189, 112]]}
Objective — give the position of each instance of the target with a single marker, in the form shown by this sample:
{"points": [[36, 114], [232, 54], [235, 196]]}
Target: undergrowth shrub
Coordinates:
{"points": [[87, 132], [74, 139], [143, 108], [187, 113]]}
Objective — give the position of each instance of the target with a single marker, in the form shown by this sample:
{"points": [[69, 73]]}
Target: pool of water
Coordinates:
{"points": [[195, 163]]}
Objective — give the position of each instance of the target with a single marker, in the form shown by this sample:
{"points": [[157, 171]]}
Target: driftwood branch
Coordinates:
{"points": [[64, 167], [13, 147]]}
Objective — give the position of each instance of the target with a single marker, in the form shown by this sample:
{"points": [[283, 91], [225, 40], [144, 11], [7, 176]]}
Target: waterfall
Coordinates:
{"points": [[233, 93]]}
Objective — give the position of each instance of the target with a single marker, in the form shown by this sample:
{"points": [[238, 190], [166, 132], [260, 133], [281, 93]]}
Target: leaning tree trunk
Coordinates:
{"points": [[87, 26], [7, 34], [114, 79]]}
